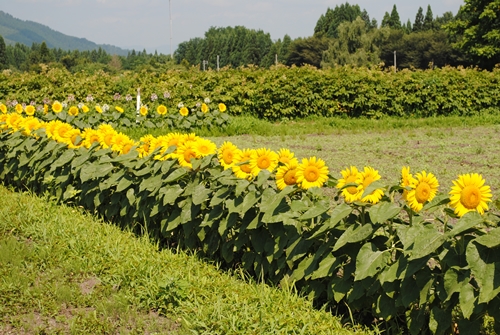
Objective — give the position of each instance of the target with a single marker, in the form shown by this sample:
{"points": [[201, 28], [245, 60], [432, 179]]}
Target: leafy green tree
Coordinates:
{"points": [[3, 54], [476, 31], [446, 18], [429, 19], [393, 41], [418, 25], [395, 21], [356, 45], [307, 51]]}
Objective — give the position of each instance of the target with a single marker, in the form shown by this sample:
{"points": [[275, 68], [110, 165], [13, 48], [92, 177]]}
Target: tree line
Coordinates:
{"points": [[344, 35], [21, 57]]}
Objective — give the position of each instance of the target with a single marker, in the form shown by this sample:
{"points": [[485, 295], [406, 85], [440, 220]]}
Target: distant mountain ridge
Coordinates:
{"points": [[14, 30]]}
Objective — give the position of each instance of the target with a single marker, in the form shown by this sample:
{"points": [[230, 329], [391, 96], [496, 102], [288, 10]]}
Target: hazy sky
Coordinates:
{"points": [[146, 24]]}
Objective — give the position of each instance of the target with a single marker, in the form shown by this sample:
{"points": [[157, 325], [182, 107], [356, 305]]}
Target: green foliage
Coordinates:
{"points": [[235, 47], [418, 25], [329, 22], [278, 94], [477, 31], [354, 46], [64, 271], [307, 51], [416, 272]]}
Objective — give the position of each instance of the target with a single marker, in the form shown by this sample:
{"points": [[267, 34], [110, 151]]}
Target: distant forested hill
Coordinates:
{"points": [[28, 32]]}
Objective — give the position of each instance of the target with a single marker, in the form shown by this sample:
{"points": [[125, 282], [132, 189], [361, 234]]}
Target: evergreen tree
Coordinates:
{"points": [[418, 25], [45, 54], [395, 21], [429, 19], [328, 23], [407, 27], [386, 20], [3, 54]]}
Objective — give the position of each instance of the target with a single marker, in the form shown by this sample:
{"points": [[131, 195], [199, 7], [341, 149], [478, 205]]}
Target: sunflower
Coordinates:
{"points": [[122, 143], [3, 119], [57, 107], [286, 156], [222, 108], [312, 172], [119, 109], [98, 109], [19, 108], [30, 110], [3, 108], [144, 145], [263, 159], [143, 110], [368, 176], [73, 139], [117, 141], [85, 109], [204, 108], [106, 134], [350, 176], [165, 142], [73, 111], [406, 180], [45, 109], [191, 137], [226, 154], [241, 166], [29, 124], [90, 136], [50, 127], [469, 193], [13, 121], [186, 152], [204, 147], [61, 131], [287, 175], [184, 111], [423, 189], [162, 110]]}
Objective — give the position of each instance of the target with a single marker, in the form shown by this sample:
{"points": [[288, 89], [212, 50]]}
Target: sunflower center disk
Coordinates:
{"points": [[470, 197], [289, 177], [351, 189], [422, 192], [263, 163], [246, 168], [228, 157], [311, 174]]}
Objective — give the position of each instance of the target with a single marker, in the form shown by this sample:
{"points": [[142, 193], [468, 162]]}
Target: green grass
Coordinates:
{"points": [[248, 125], [65, 272]]}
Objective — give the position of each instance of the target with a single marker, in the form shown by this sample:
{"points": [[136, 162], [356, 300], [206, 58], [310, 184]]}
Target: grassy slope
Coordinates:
{"points": [[65, 272]]}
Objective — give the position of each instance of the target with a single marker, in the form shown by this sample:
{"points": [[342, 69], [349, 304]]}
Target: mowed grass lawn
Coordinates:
{"points": [[64, 272]]}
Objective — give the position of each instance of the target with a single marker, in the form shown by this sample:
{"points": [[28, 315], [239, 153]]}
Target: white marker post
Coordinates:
{"points": [[138, 105]]}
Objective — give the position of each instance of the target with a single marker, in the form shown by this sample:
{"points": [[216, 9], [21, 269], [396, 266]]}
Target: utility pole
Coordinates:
{"points": [[395, 61], [217, 62], [170, 13], [204, 62], [275, 59]]}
